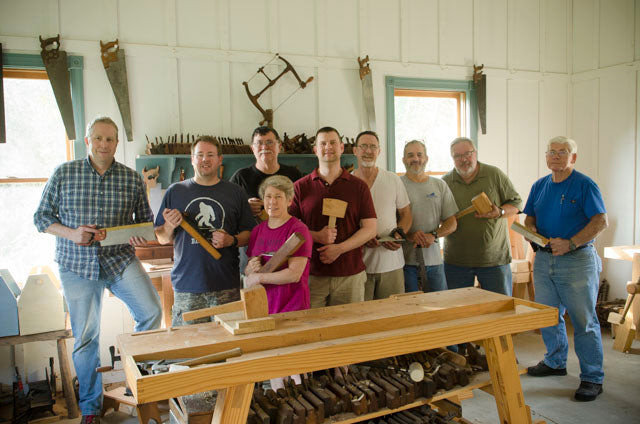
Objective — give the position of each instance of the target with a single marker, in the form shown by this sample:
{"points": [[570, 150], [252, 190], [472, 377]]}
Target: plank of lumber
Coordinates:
{"points": [[122, 234], [289, 247], [213, 358], [624, 253], [236, 324]]}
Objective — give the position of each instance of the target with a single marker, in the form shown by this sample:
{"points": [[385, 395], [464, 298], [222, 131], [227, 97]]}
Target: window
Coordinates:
{"points": [[431, 111], [36, 144]]}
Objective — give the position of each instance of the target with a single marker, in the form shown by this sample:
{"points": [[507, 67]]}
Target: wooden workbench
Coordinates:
{"points": [[60, 336], [316, 339]]}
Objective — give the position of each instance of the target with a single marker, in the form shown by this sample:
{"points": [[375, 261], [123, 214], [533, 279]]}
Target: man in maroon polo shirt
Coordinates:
{"points": [[337, 273]]}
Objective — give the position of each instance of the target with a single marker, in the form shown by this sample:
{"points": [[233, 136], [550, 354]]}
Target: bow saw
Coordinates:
{"points": [[267, 114]]}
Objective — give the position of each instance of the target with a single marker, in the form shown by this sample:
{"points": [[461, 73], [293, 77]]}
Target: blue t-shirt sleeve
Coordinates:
{"points": [[593, 202], [529, 208]]}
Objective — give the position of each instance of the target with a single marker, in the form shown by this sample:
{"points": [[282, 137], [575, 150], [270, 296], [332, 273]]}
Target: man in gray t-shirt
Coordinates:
{"points": [[433, 208]]}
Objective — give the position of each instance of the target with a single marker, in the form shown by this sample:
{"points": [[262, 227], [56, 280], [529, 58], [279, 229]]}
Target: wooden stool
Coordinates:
{"points": [[146, 411]]}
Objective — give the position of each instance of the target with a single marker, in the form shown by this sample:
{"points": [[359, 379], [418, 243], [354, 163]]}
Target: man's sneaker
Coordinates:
{"points": [[90, 419], [588, 391], [543, 370]]}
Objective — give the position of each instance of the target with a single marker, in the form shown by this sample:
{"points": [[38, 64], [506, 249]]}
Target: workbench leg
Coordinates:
{"points": [[232, 405], [65, 376], [148, 411], [167, 300], [506, 380], [624, 335]]}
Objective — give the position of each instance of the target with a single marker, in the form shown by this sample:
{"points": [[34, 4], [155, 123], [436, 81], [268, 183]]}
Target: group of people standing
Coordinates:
{"points": [[387, 242]]}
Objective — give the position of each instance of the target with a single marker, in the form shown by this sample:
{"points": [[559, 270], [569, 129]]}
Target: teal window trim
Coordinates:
{"points": [[75, 65], [392, 83]]}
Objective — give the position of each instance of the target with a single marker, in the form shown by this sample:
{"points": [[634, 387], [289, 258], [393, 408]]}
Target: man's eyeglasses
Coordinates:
{"points": [[465, 155], [267, 143], [367, 147], [559, 153]]}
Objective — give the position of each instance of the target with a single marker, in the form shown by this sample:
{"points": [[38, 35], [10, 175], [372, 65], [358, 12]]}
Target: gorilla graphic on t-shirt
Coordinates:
{"points": [[208, 214]]}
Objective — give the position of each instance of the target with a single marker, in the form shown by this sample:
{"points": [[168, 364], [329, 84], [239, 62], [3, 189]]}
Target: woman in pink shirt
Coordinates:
{"points": [[287, 288]]}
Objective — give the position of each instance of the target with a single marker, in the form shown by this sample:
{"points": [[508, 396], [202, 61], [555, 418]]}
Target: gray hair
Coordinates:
{"points": [[279, 182], [102, 120], [570, 143], [461, 140], [408, 143]]}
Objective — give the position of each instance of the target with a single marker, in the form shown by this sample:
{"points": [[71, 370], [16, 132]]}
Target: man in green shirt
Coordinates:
{"points": [[480, 246]]}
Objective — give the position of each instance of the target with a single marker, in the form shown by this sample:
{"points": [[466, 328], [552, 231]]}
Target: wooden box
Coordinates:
{"points": [[40, 306]]}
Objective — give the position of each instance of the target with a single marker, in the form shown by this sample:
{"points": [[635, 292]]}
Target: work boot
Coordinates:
{"points": [[588, 391], [544, 370]]}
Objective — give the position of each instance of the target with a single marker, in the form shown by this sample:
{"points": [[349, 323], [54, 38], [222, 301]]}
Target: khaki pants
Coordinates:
{"points": [[329, 291], [384, 284]]}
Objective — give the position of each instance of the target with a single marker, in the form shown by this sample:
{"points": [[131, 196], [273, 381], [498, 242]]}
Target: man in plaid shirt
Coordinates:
{"points": [[81, 196]]}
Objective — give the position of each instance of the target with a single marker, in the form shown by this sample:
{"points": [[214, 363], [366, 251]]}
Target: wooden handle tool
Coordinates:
{"points": [[333, 208], [253, 302], [479, 203], [201, 240]]}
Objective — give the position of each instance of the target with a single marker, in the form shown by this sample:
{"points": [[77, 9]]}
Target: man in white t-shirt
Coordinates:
{"points": [[383, 259], [433, 208]]}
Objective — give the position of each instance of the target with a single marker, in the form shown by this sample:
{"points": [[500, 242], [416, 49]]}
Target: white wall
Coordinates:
{"points": [[186, 60], [604, 119]]}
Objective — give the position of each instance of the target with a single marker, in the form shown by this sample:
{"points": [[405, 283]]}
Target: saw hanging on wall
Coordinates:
{"points": [[55, 62], [3, 132], [367, 91], [267, 114], [480, 81], [115, 67]]}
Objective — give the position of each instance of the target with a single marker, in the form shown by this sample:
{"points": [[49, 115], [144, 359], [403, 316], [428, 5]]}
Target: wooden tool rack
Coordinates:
{"points": [[316, 339]]}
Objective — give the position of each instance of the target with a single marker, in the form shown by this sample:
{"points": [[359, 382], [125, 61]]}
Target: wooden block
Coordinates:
{"points": [[530, 235], [624, 253], [120, 235], [521, 277], [235, 323], [8, 309], [520, 265], [40, 306], [255, 302]]}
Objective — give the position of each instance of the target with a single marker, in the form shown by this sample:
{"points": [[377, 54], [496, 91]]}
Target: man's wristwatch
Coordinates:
{"points": [[435, 236], [235, 241], [502, 212], [572, 245]]}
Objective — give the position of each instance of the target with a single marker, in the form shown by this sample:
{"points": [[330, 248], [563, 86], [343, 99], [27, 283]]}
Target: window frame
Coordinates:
{"points": [[75, 64], [402, 83]]}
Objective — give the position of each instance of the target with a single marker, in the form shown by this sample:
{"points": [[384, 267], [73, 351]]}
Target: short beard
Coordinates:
{"points": [[467, 173], [420, 171], [371, 164]]}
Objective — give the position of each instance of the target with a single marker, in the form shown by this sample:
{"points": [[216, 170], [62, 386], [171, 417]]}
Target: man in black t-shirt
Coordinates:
{"points": [[266, 146]]}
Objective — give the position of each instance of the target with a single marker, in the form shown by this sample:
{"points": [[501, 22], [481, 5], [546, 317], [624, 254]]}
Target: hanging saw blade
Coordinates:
{"points": [[55, 62], [367, 92], [480, 82], [115, 67]]}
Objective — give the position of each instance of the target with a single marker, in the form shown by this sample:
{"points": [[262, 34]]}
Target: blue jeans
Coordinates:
{"points": [[84, 299], [435, 278], [497, 279], [570, 283]]}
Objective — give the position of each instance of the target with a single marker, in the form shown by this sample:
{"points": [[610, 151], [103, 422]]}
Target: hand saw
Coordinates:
{"points": [[121, 234]]}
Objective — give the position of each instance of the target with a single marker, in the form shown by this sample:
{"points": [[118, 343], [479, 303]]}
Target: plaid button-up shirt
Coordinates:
{"points": [[78, 195]]}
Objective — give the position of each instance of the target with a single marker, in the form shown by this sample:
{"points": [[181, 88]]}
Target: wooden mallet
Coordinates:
{"points": [[333, 208], [479, 203], [254, 299]]}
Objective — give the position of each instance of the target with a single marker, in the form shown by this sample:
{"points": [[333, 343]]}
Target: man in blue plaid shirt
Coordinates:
{"points": [[81, 196]]}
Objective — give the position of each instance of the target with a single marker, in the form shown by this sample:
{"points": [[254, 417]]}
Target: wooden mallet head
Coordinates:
{"points": [[479, 203], [333, 208]]}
